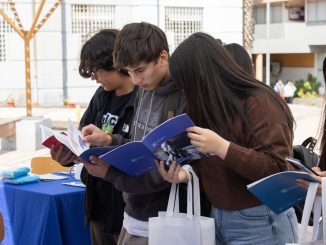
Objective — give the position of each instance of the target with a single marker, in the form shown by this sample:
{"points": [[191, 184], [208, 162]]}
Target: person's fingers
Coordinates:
{"points": [[195, 129], [87, 130], [194, 136], [176, 174], [90, 138], [53, 152], [303, 183], [171, 170], [162, 170]]}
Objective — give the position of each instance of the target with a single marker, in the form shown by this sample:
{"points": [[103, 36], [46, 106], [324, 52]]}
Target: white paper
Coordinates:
{"points": [[52, 177], [75, 183]]}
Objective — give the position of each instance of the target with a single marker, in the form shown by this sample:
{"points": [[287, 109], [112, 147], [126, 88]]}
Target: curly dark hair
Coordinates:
{"points": [[96, 53]]}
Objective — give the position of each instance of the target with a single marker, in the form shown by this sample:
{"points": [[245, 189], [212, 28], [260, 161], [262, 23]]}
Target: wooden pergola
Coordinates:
{"points": [[27, 35]]}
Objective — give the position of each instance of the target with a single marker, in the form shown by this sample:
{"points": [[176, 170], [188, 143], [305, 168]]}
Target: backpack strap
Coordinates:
{"points": [[170, 107], [310, 143]]}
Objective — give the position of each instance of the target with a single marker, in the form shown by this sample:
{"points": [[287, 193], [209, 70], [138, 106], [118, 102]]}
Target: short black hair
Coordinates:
{"points": [[96, 53]]}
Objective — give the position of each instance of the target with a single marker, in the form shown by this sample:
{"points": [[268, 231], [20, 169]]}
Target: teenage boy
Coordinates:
{"points": [[110, 109], [141, 49]]}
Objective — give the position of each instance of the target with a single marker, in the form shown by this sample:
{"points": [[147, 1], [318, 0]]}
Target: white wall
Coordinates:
{"points": [[290, 37], [221, 19]]}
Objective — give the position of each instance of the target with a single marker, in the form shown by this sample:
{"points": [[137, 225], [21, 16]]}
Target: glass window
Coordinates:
{"points": [[86, 19], [181, 22], [260, 14], [321, 11], [5, 28], [316, 11], [275, 13]]}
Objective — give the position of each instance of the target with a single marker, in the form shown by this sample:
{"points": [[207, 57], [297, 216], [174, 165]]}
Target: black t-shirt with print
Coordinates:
{"points": [[113, 114]]}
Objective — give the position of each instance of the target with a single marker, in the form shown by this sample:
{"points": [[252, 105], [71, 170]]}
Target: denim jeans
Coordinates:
{"points": [[257, 225]]}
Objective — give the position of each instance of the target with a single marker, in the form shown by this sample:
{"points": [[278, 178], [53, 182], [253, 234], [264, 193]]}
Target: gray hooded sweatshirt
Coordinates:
{"points": [[146, 195]]}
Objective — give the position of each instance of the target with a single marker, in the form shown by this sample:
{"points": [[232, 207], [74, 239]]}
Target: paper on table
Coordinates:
{"points": [[75, 183], [46, 177]]}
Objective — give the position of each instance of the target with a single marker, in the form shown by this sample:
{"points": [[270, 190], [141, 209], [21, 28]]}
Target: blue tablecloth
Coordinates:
{"points": [[43, 213]]}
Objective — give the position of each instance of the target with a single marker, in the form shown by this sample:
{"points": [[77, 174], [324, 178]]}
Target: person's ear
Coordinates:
{"points": [[164, 57]]}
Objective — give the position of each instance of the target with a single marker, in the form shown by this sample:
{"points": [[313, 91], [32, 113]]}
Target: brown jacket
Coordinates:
{"points": [[225, 182]]}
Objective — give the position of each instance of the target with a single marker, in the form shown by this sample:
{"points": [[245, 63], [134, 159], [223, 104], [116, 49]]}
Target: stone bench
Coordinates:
{"points": [[8, 133], [8, 127]]}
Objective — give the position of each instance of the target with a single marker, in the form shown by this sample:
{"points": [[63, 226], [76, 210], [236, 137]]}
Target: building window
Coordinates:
{"points": [[316, 11], [275, 13], [181, 22], [86, 19], [5, 28]]}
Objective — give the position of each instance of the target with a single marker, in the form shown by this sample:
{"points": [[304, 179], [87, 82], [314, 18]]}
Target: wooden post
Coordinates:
{"points": [[28, 77], [27, 36]]}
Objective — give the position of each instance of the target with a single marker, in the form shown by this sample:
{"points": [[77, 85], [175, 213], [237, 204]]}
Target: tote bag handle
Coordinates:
{"points": [[313, 201], [193, 195]]}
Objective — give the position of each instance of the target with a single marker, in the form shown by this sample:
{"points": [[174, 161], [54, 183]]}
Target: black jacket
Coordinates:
{"points": [[103, 203]]}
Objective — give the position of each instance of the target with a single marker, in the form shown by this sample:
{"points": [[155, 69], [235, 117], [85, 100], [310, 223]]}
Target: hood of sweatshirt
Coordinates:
{"points": [[149, 110]]}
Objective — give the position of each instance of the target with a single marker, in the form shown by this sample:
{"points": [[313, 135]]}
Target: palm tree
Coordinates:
{"points": [[248, 25]]}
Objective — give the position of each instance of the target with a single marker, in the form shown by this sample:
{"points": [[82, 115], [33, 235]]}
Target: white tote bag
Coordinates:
{"points": [[173, 227], [319, 223]]}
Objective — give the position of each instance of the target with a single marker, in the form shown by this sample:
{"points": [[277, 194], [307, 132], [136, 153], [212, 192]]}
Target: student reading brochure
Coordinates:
{"points": [[167, 142]]}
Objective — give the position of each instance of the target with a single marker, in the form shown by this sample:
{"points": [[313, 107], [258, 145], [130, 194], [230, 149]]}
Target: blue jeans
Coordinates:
{"points": [[257, 225]]}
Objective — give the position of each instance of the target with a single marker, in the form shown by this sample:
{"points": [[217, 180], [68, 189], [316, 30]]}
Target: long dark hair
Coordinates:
{"points": [[241, 57], [323, 137], [215, 86]]}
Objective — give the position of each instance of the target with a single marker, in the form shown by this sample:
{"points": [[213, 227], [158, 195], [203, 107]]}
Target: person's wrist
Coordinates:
{"points": [[222, 149], [108, 139]]}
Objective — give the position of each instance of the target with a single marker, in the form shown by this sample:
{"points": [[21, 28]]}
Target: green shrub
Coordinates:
{"points": [[307, 88]]}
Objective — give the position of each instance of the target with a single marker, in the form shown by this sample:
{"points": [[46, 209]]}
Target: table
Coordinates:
{"points": [[43, 213]]}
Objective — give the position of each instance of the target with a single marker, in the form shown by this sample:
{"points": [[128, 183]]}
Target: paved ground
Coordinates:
{"points": [[307, 124]]}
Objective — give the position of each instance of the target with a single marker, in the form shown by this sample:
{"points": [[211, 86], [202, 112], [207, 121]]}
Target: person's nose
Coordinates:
{"points": [[136, 79]]}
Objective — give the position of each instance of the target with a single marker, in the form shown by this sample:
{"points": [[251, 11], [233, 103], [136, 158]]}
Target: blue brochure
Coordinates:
{"points": [[167, 142], [280, 191]]}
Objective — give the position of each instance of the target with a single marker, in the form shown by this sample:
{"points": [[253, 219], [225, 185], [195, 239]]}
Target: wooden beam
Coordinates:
{"points": [[42, 22], [11, 23], [37, 15], [13, 9]]}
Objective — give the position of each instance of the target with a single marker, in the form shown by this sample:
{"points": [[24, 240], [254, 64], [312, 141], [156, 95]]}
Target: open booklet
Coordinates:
{"points": [[280, 191], [72, 139], [167, 142]]}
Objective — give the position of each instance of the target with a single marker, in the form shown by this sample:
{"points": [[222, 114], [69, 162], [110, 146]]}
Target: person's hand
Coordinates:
{"points": [[62, 155], [206, 140], [96, 167], [305, 183], [175, 173], [95, 136]]}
